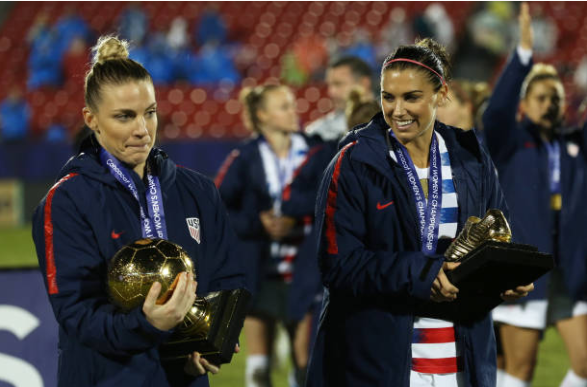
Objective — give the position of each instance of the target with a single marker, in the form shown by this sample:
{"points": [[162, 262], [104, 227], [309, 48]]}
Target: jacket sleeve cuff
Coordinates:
{"points": [[423, 283], [157, 335], [524, 55]]}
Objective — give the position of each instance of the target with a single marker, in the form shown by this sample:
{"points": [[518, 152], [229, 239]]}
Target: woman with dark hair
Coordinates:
{"points": [[389, 205], [269, 186], [117, 189]]}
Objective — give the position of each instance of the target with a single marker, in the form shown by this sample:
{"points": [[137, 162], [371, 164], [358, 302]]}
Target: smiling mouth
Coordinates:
{"points": [[404, 124]]}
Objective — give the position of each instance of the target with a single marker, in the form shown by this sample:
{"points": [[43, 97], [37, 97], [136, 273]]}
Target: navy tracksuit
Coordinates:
{"points": [[81, 223], [242, 184], [521, 159], [372, 266]]}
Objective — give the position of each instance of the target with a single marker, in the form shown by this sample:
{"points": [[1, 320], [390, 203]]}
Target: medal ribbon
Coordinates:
{"points": [[554, 166], [428, 213], [282, 175], [154, 222]]}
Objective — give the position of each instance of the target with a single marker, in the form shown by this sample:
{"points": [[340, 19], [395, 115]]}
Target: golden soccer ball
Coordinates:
{"points": [[136, 266]]}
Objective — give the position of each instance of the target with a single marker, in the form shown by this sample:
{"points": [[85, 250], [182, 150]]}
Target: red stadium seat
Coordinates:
{"points": [[269, 28]]}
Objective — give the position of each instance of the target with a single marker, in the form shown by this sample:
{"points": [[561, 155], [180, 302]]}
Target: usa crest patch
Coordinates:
{"points": [[194, 227]]}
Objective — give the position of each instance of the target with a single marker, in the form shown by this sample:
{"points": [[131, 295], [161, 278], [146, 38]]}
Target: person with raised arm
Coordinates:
{"points": [[543, 170]]}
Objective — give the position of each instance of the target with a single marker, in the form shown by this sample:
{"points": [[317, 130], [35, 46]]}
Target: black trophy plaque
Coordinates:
{"points": [[492, 268], [225, 315]]}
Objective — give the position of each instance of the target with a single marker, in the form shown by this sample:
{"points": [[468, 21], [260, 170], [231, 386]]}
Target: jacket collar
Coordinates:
{"points": [[534, 130], [87, 162], [464, 151]]}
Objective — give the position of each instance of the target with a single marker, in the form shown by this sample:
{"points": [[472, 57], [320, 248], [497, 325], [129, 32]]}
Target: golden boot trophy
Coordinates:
{"points": [[493, 227], [490, 263]]}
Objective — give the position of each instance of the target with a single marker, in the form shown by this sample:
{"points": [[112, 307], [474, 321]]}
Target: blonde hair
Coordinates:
{"points": [[111, 65], [539, 72], [109, 47], [253, 99], [359, 110]]}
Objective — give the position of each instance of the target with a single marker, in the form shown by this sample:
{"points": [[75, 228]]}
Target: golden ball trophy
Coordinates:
{"points": [[491, 263], [213, 324]]}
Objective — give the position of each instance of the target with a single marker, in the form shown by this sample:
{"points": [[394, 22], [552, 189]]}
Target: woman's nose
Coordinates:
{"points": [[398, 109], [141, 127]]}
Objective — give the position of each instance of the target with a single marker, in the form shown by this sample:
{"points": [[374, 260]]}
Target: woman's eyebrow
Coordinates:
{"points": [[125, 111], [406, 93]]}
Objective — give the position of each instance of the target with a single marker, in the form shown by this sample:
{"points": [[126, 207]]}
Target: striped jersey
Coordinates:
{"points": [[279, 172], [434, 349]]}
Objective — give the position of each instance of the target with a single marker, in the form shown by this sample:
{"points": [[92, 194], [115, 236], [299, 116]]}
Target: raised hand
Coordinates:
{"points": [[525, 23]]}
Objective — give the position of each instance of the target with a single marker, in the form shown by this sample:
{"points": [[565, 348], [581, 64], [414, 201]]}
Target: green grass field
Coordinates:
{"points": [[17, 250]]}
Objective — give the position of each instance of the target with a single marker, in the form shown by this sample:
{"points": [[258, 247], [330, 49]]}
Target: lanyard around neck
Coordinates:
{"points": [[152, 225], [428, 210], [554, 166]]}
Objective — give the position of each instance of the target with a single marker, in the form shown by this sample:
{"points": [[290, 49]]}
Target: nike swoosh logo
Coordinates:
{"points": [[382, 206], [115, 235]]}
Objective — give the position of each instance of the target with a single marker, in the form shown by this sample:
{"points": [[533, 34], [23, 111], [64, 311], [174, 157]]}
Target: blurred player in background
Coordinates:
{"points": [[342, 75], [543, 173], [269, 186], [360, 108], [465, 100]]}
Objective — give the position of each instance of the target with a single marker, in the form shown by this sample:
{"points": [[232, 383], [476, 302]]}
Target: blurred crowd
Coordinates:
{"points": [[205, 53]]}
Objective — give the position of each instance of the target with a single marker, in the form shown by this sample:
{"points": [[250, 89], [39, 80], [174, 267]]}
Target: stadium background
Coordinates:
{"points": [[199, 120]]}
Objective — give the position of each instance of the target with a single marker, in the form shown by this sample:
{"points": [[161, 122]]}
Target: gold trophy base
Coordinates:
{"points": [[225, 311]]}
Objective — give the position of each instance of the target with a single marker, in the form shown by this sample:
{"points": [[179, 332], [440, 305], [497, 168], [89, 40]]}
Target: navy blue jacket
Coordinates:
{"points": [[82, 222], [376, 276], [243, 187], [522, 162]]}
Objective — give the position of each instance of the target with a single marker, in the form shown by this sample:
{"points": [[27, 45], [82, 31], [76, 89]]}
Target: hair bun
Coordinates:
{"points": [[440, 52], [109, 48]]}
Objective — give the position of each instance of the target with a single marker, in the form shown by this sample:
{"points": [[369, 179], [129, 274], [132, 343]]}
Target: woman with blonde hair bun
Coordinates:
{"points": [[117, 189]]}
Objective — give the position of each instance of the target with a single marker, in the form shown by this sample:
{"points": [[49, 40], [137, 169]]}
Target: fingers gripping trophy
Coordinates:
{"points": [[212, 324], [490, 263]]}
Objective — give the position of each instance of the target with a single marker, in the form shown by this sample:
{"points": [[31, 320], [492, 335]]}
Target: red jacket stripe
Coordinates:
{"points": [[332, 246], [49, 254], [224, 168], [286, 195]]}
